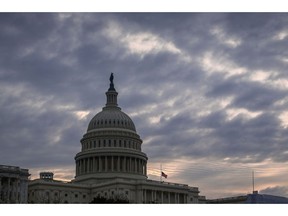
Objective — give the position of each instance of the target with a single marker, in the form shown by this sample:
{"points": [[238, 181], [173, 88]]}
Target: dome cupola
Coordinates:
{"points": [[111, 115]]}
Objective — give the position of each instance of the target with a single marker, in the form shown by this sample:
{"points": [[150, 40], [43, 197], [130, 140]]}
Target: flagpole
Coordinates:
{"points": [[253, 181], [160, 172]]}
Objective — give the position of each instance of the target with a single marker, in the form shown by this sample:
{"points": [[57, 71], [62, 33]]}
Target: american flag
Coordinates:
{"points": [[164, 175]]}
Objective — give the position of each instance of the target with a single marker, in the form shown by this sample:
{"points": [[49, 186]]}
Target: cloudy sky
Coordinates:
{"points": [[206, 91]]}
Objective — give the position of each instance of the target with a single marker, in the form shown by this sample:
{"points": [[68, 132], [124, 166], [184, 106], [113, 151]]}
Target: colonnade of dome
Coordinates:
{"points": [[105, 164]]}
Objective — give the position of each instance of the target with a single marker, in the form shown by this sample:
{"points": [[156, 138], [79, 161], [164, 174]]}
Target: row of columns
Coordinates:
{"points": [[111, 164], [9, 190], [110, 143], [150, 196]]}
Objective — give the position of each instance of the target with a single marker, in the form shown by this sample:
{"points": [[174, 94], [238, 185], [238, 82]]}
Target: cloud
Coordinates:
{"points": [[276, 191], [198, 86]]}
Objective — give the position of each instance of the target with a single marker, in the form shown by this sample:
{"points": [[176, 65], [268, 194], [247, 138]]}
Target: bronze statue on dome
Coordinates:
{"points": [[111, 78], [111, 82]]}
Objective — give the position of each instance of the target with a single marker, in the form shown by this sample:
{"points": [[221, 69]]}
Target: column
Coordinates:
{"points": [[106, 165], [130, 164], [161, 196], [94, 164], [100, 164], [8, 191], [17, 190], [12, 190], [177, 197], [112, 163], [125, 164], [79, 167], [118, 164], [88, 165], [169, 197], [82, 169], [135, 164], [84, 165]]}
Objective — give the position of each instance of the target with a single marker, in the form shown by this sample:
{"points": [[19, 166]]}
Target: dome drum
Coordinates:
{"points": [[105, 142], [103, 164]]}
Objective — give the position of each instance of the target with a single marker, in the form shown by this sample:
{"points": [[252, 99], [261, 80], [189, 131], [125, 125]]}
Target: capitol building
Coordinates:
{"points": [[111, 164]]}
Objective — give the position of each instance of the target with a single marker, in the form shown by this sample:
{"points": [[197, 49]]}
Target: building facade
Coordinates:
{"points": [[13, 184], [254, 198], [111, 164]]}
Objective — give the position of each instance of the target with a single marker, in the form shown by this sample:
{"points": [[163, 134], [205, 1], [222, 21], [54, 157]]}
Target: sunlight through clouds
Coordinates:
{"points": [[222, 37], [232, 113], [140, 43], [213, 62]]}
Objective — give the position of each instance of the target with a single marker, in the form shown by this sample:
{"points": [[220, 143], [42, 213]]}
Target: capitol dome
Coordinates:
{"points": [[111, 147], [111, 118]]}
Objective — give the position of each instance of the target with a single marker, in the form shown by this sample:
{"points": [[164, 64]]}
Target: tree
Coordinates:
{"points": [[118, 199]]}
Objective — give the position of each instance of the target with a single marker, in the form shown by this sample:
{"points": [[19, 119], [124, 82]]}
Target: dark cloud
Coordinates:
{"points": [[251, 95], [54, 65]]}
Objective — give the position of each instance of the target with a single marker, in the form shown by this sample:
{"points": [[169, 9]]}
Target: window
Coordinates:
{"points": [[76, 195], [84, 196], [66, 194]]}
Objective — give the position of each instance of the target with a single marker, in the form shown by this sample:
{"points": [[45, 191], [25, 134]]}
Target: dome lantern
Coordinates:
{"points": [[111, 94]]}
